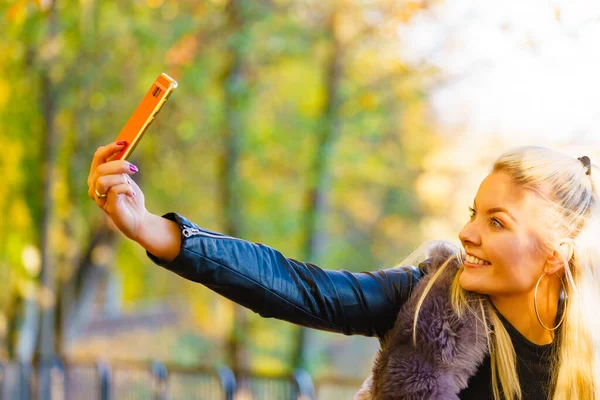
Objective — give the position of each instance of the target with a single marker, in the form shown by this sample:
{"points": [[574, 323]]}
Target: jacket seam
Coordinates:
{"points": [[262, 286]]}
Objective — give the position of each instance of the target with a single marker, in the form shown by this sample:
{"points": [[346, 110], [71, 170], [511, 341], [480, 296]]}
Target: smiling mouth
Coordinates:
{"points": [[476, 262]]}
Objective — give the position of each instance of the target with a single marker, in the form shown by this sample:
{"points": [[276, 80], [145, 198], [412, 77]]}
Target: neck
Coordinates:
{"points": [[520, 312]]}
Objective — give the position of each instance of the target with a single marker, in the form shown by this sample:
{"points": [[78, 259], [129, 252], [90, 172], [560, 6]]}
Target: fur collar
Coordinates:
{"points": [[448, 352]]}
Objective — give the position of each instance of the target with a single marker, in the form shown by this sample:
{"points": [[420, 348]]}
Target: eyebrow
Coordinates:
{"points": [[494, 210]]}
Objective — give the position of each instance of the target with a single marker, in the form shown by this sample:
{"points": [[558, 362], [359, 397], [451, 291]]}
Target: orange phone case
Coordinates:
{"points": [[145, 113]]}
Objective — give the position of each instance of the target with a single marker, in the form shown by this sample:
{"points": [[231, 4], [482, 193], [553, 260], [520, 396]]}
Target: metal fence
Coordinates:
{"points": [[61, 380]]}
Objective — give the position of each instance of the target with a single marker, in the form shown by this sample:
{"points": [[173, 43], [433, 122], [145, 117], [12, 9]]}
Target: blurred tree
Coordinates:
{"points": [[295, 124], [348, 29], [236, 89]]}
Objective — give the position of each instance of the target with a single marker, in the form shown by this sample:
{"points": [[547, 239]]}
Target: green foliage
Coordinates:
{"points": [[102, 60]]}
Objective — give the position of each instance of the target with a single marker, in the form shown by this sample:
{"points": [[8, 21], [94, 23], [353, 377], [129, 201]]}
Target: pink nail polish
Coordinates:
{"points": [[133, 168], [122, 142]]}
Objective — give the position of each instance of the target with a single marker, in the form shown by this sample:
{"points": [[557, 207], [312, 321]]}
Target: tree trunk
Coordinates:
{"points": [[78, 294], [48, 278], [80, 286], [317, 191], [47, 293], [233, 84]]}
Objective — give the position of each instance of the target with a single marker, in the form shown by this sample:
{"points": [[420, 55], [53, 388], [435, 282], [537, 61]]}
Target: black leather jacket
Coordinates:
{"points": [[262, 279]]}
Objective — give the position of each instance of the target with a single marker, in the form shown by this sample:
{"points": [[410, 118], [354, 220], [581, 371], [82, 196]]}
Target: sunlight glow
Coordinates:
{"points": [[519, 69]]}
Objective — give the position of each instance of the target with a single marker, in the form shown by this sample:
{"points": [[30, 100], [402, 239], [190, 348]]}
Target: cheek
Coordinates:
{"points": [[494, 280], [517, 267], [514, 269], [511, 252]]}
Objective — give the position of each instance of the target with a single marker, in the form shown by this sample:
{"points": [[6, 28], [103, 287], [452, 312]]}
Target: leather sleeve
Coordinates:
{"points": [[262, 279]]}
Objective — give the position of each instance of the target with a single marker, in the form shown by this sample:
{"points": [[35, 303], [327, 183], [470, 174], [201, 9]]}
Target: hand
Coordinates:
{"points": [[110, 186]]}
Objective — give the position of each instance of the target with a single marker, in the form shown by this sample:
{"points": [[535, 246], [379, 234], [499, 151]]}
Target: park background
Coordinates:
{"points": [[341, 132]]}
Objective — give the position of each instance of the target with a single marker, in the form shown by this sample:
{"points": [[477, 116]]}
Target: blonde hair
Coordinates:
{"points": [[571, 216]]}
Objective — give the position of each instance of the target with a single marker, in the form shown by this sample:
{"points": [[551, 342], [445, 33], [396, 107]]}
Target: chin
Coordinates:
{"points": [[471, 283]]}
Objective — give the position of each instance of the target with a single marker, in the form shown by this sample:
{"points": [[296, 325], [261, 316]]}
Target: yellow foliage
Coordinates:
{"points": [[134, 286], [11, 176], [97, 101], [28, 288], [415, 133], [368, 101], [155, 3], [20, 218], [60, 193], [220, 3], [3, 324], [268, 339], [17, 13], [362, 207], [392, 226], [391, 230], [57, 72], [409, 9], [223, 320], [268, 365], [346, 27], [434, 189], [4, 92], [12, 153], [60, 240], [301, 78], [413, 116], [438, 227], [170, 11], [290, 96], [44, 4], [211, 314]]}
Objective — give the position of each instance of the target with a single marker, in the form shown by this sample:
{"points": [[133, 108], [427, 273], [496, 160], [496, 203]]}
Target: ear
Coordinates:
{"points": [[556, 261]]}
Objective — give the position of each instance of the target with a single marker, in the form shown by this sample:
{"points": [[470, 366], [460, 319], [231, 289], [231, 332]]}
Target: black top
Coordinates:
{"points": [[533, 365]]}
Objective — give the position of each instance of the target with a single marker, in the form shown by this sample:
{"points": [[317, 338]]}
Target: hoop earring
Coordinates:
{"points": [[537, 314]]}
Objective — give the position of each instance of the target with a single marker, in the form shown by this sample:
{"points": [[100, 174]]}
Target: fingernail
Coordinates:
{"points": [[133, 168], [121, 143]]}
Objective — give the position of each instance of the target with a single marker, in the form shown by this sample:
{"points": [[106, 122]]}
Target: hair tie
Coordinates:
{"points": [[585, 160]]}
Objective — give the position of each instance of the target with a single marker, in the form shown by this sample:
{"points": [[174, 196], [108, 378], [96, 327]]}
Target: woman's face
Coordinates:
{"points": [[502, 237]]}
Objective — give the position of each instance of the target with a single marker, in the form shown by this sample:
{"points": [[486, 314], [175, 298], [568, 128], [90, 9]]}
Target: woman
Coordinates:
{"points": [[510, 315]]}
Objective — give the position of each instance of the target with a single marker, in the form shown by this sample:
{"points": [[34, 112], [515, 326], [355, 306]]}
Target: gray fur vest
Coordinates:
{"points": [[448, 350]]}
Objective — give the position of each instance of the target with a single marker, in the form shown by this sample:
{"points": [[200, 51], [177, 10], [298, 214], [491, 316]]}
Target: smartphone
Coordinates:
{"points": [[145, 113]]}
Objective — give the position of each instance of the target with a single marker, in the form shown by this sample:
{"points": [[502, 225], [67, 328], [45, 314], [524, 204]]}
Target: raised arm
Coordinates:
{"points": [[253, 275], [263, 280]]}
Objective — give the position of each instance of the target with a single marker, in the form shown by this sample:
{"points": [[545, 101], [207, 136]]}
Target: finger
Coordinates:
{"points": [[116, 167], [108, 169], [105, 152], [123, 188], [105, 183], [102, 154], [134, 185]]}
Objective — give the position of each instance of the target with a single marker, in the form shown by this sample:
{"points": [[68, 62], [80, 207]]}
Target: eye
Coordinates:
{"points": [[496, 223]]}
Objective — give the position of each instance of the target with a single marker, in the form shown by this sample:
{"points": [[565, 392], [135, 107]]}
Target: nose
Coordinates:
{"points": [[469, 234]]}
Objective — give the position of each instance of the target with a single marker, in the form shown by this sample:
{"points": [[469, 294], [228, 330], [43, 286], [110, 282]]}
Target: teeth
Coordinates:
{"points": [[475, 260]]}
